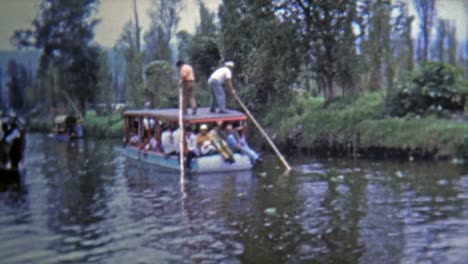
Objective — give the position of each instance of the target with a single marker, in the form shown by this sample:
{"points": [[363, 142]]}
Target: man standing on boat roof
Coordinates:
{"points": [[187, 81], [221, 77]]}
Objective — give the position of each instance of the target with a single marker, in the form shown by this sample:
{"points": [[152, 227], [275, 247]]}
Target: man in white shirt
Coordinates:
{"points": [[221, 77], [167, 141], [176, 140]]}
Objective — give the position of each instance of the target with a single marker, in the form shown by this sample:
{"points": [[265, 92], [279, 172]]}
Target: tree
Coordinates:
{"points": [[104, 84], [137, 26], [452, 44], [323, 27], [402, 29], [266, 51], [184, 39], [440, 44], [64, 31], [160, 82], [376, 45], [164, 17], [204, 51], [127, 45], [426, 12], [17, 84]]}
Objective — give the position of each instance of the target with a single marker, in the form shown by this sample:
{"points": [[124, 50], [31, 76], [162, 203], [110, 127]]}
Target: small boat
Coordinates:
{"points": [[135, 122], [67, 127]]}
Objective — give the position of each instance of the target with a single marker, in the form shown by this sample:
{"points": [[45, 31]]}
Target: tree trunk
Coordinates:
{"points": [[328, 91]]}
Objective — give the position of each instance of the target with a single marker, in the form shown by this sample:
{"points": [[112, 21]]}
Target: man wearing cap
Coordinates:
{"points": [[221, 77], [187, 81], [205, 141]]}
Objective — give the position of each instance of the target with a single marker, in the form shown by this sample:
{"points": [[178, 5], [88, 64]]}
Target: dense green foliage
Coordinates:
{"points": [[67, 49], [161, 88], [434, 87], [103, 126], [265, 49], [362, 124]]}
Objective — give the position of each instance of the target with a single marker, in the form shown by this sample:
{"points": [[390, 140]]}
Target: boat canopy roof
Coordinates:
{"points": [[172, 114], [60, 119]]}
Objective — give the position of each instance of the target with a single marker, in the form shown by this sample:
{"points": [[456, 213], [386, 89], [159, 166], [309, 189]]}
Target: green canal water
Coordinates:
{"points": [[84, 202]]}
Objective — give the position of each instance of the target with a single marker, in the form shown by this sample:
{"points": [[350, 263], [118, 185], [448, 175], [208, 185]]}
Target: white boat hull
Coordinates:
{"points": [[202, 164]]}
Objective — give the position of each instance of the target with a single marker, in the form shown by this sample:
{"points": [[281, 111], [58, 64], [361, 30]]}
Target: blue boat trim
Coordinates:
{"points": [[202, 164]]}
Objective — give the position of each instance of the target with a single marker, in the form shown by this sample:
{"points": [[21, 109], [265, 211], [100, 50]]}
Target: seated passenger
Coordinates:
{"points": [[134, 139], [153, 143], [176, 139], [167, 142], [237, 142], [205, 141], [191, 150], [218, 138]]}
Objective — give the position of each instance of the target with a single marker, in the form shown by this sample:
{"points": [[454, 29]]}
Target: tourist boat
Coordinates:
{"points": [[134, 123], [67, 127]]}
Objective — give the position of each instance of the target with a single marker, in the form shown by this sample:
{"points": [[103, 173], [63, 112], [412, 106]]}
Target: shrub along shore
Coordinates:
{"points": [[96, 126], [360, 127]]}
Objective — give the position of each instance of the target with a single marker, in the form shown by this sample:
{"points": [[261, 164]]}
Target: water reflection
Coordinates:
{"points": [[85, 202]]}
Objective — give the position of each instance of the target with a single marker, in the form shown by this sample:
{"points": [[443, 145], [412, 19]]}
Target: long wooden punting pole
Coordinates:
{"points": [[181, 130], [280, 156]]}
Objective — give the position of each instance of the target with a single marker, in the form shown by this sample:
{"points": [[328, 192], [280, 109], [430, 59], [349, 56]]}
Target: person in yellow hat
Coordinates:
{"points": [[205, 141]]}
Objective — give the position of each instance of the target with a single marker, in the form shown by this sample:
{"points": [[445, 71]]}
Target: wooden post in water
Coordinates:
{"points": [[181, 128], [265, 135]]}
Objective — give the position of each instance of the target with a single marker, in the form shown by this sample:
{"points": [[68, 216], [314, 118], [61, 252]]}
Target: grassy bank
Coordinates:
{"points": [[103, 126], [360, 125], [94, 125]]}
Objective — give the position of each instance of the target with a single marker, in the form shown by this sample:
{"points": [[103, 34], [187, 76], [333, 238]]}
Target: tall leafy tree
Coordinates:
{"points": [[164, 17], [426, 12], [104, 85], [323, 26], [403, 46], [133, 82], [376, 46], [184, 39], [265, 49], [204, 50], [452, 44], [17, 84], [64, 31]]}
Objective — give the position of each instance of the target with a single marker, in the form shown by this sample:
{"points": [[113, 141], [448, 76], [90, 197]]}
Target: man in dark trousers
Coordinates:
{"points": [[187, 81], [221, 77]]}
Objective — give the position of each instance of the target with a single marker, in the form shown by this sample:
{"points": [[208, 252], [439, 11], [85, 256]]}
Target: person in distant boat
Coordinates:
{"points": [[219, 141], [187, 81], [191, 147], [236, 142], [221, 77], [16, 142], [12, 143], [205, 141]]}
